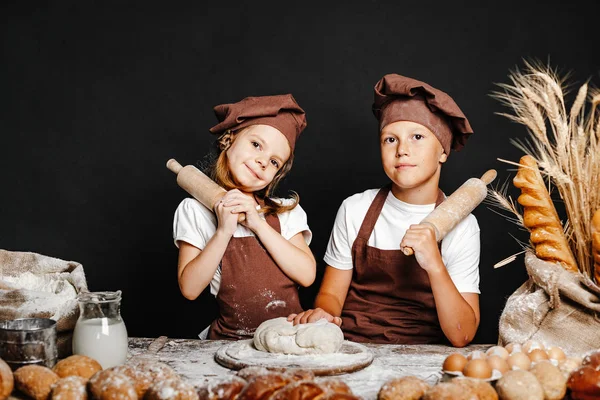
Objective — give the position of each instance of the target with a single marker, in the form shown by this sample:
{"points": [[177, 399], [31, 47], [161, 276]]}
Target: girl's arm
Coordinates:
{"points": [[293, 256], [330, 299], [196, 268], [457, 312]]}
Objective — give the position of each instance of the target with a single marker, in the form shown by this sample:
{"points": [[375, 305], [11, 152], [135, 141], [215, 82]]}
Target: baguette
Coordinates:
{"points": [[540, 216], [596, 245]]}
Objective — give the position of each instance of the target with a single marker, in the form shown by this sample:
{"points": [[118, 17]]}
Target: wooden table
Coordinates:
{"points": [[194, 361]]}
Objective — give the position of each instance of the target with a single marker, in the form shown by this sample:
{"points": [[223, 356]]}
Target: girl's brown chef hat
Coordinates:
{"points": [[281, 112], [398, 98]]}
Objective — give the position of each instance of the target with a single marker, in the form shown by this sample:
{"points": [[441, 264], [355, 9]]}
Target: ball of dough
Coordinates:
{"points": [[278, 335], [552, 380], [449, 391], [404, 388], [171, 389], [519, 385], [109, 384], [482, 389], [35, 381], [70, 388], [7, 380], [77, 365]]}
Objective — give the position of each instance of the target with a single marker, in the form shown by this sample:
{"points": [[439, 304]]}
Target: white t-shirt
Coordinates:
{"points": [[460, 247], [195, 224]]}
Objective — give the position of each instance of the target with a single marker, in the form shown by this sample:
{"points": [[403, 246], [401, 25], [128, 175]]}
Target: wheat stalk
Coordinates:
{"points": [[566, 145]]}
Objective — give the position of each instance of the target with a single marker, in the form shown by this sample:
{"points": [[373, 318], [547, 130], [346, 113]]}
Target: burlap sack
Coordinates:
{"points": [[33, 285], [554, 307]]}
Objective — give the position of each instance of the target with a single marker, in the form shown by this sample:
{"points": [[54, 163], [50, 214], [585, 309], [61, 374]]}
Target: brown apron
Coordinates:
{"points": [[253, 288], [390, 298]]}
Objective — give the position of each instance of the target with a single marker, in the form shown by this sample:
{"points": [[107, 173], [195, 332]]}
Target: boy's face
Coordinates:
{"points": [[255, 156], [411, 155]]}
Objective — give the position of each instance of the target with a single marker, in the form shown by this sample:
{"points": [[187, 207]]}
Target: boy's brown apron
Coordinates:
{"points": [[253, 289], [390, 298]]}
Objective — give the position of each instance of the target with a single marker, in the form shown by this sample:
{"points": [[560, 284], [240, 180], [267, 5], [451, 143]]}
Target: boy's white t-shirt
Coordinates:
{"points": [[460, 248], [195, 224]]}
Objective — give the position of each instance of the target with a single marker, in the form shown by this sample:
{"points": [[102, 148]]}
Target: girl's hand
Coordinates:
{"points": [[421, 238], [238, 202], [227, 221], [313, 316]]}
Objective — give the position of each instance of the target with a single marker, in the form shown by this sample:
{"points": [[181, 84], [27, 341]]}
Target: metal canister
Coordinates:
{"points": [[28, 341]]}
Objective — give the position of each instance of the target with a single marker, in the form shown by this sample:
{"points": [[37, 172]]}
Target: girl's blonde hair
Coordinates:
{"points": [[220, 173]]}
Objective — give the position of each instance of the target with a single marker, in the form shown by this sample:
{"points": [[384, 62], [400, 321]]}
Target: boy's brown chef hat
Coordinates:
{"points": [[398, 98], [281, 112]]}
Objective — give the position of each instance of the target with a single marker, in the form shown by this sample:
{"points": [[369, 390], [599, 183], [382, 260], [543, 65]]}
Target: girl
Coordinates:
{"points": [[253, 268], [370, 288]]}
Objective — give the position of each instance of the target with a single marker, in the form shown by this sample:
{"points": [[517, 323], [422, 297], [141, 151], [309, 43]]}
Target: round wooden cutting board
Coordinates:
{"points": [[351, 357]]}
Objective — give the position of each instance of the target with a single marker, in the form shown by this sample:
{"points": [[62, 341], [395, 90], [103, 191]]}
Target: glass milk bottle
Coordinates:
{"points": [[100, 332]]}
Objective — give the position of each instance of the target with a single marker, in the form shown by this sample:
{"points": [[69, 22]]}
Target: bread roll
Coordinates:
{"points": [[596, 244], [540, 216], [109, 385], [35, 381], [171, 389], [265, 384], [77, 365], [7, 381], [70, 388], [404, 388]]}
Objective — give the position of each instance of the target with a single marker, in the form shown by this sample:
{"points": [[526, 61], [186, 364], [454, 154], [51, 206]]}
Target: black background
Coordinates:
{"points": [[97, 96]]}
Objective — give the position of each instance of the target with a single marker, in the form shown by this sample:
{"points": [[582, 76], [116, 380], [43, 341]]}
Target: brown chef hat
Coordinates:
{"points": [[281, 112], [398, 98]]}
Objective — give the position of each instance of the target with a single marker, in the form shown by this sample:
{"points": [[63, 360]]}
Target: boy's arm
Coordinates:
{"points": [[330, 299], [457, 312]]}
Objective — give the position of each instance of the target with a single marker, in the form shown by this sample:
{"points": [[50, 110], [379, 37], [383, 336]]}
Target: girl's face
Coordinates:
{"points": [[411, 156], [255, 156]]}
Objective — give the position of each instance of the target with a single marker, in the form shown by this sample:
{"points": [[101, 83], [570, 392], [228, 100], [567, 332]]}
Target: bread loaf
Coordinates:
{"points": [[263, 384], [596, 245], [584, 382], [540, 216]]}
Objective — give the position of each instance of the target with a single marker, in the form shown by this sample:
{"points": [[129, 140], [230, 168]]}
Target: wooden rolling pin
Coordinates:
{"points": [[200, 186], [457, 206]]}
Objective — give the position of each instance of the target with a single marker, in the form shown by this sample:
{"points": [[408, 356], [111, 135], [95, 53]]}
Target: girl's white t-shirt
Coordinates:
{"points": [[460, 248], [195, 224]]}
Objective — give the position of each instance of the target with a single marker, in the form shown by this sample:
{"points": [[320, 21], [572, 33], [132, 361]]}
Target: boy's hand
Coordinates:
{"points": [[313, 316], [421, 238], [238, 202]]}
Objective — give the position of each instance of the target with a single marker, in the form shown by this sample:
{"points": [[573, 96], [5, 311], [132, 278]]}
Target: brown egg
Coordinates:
{"points": [[455, 362], [478, 368], [498, 363], [556, 353], [513, 348], [497, 351], [536, 355], [519, 361], [530, 345], [474, 355]]}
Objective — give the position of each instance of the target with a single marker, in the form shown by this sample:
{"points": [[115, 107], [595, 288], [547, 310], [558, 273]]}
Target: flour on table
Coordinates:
{"points": [[278, 335]]}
